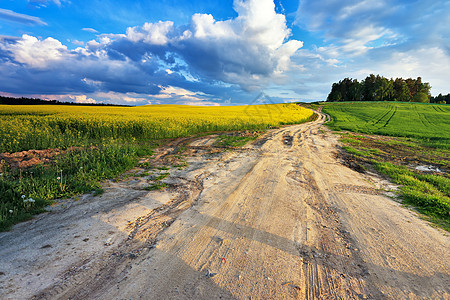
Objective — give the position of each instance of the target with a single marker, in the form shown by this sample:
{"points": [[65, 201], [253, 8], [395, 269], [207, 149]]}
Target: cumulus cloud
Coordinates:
{"points": [[35, 53], [155, 34], [10, 15], [206, 59], [243, 50]]}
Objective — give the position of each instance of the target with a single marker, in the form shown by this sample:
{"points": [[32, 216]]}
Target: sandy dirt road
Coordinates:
{"points": [[279, 219]]}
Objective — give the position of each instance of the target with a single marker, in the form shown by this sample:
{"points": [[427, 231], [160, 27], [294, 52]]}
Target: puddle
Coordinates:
{"points": [[428, 169]]}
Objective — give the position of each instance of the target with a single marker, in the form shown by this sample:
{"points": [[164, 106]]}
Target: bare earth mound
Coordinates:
{"points": [[281, 218]]}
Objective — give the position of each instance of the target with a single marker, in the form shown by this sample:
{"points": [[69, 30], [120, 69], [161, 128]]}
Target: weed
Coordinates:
{"points": [[98, 192], [233, 140], [163, 168], [161, 176], [157, 186]]}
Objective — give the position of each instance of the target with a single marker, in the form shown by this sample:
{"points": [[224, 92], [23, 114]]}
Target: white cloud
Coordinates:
{"points": [[121, 98], [36, 53], [77, 42], [10, 15], [151, 33], [92, 30], [170, 92], [247, 50], [44, 3], [432, 64], [68, 98], [357, 38]]}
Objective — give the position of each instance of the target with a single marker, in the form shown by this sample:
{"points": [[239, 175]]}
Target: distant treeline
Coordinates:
{"points": [[443, 99], [379, 88], [35, 101]]}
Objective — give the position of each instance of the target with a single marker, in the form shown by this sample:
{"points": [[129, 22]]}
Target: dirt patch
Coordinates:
{"points": [[27, 159], [399, 151]]}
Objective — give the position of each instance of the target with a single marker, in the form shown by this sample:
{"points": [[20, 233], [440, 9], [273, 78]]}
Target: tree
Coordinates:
{"points": [[369, 87], [383, 89], [421, 97], [401, 90], [379, 88]]}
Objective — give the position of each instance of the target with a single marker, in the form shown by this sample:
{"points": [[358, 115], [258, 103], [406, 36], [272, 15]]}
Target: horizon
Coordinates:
{"points": [[215, 53]]}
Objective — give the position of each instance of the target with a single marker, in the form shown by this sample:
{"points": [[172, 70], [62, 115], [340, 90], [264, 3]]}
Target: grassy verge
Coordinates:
{"points": [[73, 172], [408, 135], [397, 158]]}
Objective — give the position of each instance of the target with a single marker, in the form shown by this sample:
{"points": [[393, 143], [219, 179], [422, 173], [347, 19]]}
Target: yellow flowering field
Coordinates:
{"points": [[48, 126]]}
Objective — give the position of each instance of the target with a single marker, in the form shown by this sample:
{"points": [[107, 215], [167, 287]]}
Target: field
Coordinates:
{"points": [[77, 147], [416, 136], [429, 123]]}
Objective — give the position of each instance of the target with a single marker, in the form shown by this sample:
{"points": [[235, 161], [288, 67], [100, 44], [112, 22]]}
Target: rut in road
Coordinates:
{"points": [[280, 219]]}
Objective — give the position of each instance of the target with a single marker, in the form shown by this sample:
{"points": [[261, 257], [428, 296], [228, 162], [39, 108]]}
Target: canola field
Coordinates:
{"points": [[42, 127], [92, 143]]}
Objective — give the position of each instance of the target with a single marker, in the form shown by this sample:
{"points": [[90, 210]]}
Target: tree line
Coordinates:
{"points": [[36, 101], [442, 99], [379, 88]]}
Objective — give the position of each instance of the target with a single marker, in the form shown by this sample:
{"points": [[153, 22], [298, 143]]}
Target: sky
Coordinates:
{"points": [[216, 52]]}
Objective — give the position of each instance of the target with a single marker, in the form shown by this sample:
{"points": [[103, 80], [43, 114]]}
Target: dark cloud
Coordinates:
{"points": [[220, 59]]}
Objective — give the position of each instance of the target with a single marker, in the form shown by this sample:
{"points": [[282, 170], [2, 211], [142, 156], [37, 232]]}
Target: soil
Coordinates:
{"points": [[280, 218], [26, 159]]}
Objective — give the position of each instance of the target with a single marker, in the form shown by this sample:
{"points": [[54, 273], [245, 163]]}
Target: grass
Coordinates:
{"points": [[161, 176], [96, 143], [157, 186], [232, 141], [428, 123], [428, 193], [74, 172], [411, 142]]}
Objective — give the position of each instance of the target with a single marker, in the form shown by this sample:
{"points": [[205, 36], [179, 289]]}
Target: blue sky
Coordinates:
{"points": [[216, 52]]}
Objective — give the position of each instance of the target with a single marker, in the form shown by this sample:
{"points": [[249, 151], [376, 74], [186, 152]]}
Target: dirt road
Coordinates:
{"points": [[279, 219]]}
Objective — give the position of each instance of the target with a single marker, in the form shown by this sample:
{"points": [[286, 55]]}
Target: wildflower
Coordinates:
{"points": [[31, 200], [58, 178], [11, 211], [25, 201], [23, 196]]}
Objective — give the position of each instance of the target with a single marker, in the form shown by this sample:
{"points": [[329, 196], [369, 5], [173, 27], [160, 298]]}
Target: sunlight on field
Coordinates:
{"points": [[42, 127], [427, 122]]}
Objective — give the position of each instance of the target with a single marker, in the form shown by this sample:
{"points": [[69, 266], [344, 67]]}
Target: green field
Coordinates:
{"points": [[89, 144], [429, 123], [418, 135]]}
